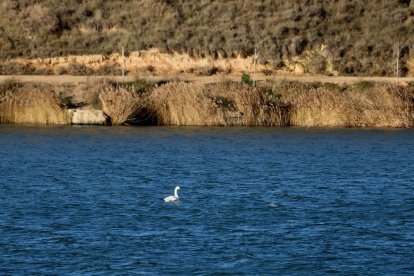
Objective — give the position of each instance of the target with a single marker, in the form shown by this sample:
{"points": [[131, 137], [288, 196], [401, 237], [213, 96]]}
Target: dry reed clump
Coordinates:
{"points": [[30, 104], [258, 106], [183, 104], [121, 104], [378, 105]]}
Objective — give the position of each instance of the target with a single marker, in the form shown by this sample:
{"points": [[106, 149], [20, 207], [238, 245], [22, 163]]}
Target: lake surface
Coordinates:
{"points": [[267, 201]]}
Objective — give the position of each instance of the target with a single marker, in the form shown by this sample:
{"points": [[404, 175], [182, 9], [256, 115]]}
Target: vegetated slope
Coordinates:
{"points": [[361, 36]]}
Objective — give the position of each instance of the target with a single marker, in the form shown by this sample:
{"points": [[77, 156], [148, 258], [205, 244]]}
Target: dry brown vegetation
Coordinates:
{"points": [[121, 104], [226, 103], [286, 104], [361, 36], [271, 103], [223, 104], [257, 106], [182, 104], [30, 104], [357, 105]]}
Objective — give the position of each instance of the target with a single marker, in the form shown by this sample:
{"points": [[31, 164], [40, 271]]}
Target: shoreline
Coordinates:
{"points": [[285, 101]]}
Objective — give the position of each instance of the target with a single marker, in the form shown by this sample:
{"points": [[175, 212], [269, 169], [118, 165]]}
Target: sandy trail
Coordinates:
{"points": [[198, 79]]}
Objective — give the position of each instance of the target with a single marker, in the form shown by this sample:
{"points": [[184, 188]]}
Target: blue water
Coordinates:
{"points": [[268, 201]]}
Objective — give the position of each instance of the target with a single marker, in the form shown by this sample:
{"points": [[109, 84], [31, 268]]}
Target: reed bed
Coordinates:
{"points": [[377, 105], [247, 106], [30, 104], [220, 104], [223, 104]]}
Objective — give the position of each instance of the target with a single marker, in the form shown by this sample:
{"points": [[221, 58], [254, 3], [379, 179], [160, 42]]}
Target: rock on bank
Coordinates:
{"points": [[88, 117]]}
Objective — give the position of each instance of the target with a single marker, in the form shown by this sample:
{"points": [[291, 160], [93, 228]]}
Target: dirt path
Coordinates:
{"points": [[203, 79]]}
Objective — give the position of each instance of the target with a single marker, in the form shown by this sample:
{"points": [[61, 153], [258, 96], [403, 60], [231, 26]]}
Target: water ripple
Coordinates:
{"points": [[265, 201]]}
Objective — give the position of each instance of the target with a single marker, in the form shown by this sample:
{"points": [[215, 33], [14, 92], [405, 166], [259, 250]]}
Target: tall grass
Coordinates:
{"points": [[181, 104], [283, 104], [30, 104], [259, 106], [219, 104], [379, 105], [121, 104]]}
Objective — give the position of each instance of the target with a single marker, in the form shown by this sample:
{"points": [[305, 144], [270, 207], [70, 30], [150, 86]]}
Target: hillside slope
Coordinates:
{"points": [[348, 36]]}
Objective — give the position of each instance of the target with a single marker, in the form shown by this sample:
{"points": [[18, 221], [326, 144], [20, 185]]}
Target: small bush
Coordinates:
{"points": [[247, 80], [150, 69]]}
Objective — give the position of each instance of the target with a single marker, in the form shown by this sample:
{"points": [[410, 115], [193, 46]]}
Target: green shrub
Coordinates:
{"points": [[247, 80]]}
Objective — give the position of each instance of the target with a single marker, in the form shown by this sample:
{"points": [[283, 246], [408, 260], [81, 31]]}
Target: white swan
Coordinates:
{"points": [[173, 198]]}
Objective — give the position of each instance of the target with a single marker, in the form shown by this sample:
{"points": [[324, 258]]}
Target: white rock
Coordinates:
{"points": [[87, 117]]}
